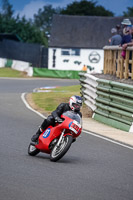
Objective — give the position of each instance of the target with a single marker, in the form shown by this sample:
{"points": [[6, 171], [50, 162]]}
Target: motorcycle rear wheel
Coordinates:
{"points": [[32, 150], [59, 151]]}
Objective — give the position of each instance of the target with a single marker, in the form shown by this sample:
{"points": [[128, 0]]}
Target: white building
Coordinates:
{"points": [[76, 41], [75, 59]]}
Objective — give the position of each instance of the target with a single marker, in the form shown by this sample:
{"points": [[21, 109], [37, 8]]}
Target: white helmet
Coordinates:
{"points": [[75, 102]]}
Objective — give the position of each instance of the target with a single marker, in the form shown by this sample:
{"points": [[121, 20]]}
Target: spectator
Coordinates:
{"points": [[126, 22], [116, 38], [132, 32], [127, 38]]}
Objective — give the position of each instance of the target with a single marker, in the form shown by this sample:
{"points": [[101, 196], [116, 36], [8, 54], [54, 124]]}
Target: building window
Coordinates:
{"points": [[75, 52], [70, 52], [65, 52]]}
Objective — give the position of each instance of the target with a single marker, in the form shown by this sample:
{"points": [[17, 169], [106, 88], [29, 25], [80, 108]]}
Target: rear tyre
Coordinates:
{"points": [[32, 150], [59, 151]]}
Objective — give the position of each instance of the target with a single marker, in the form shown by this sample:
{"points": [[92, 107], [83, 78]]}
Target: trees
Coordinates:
{"points": [[129, 13], [85, 7], [6, 18], [7, 10], [43, 19], [24, 28], [29, 32]]}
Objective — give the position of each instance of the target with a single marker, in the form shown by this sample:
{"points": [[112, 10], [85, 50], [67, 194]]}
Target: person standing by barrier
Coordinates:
{"points": [[127, 38], [116, 38]]}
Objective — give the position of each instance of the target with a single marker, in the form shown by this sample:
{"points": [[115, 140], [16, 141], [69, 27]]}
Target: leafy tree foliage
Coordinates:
{"points": [[28, 32], [85, 7], [7, 9], [43, 19], [129, 13], [25, 29]]}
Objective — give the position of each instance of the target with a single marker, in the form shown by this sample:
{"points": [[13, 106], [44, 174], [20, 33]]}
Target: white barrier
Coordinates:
{"points": [[18, 65], [89, 85], [2, 62]]}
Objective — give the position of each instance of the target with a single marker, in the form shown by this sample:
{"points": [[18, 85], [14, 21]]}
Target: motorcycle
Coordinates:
{"points": [[57, 140]]}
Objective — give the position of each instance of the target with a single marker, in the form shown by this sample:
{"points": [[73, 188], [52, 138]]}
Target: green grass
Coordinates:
{"points": [[8, 72], [50, 100]]}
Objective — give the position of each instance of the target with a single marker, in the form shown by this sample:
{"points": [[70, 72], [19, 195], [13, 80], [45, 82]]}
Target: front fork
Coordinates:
{"points": [[60, 139]]}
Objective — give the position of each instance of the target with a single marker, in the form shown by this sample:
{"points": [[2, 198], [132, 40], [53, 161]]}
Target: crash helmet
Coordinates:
{"points": [[75, 103]]}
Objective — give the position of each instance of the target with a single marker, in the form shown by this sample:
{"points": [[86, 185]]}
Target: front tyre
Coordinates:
{"points": [[32, 150], [59, 151]]}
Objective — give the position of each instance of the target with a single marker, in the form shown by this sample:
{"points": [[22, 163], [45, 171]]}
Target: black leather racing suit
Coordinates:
{"points": [[63, 107]]}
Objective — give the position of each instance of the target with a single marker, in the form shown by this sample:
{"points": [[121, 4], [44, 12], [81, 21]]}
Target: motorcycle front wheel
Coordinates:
{"points": [[32, 150], [59, 151]]}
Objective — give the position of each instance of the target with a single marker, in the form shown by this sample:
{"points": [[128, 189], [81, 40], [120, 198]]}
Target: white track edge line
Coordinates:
{"points": [[107, 139], [28, 106]]}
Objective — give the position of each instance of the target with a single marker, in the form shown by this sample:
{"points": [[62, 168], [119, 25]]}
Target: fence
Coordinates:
{"points": [[115, 64], [35, 54], [111, 102]]}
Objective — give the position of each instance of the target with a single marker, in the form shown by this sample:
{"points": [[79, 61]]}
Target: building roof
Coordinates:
{"points": [[82, 31]]}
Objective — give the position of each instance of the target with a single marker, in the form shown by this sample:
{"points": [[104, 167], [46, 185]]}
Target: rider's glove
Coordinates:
{"points": [[58, 119]]}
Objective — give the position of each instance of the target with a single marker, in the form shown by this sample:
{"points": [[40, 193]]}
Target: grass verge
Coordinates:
{"points": [[48, 101], [8, 72]]}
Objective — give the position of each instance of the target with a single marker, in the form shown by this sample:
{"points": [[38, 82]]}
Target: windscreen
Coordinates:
{"points": [[73, 115]]}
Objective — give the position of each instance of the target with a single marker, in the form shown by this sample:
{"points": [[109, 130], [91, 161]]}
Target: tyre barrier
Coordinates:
{"points": [[111, 102]]}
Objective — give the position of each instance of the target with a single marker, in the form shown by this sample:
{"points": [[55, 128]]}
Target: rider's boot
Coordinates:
{"points": [[36, 136], [74, 140]]}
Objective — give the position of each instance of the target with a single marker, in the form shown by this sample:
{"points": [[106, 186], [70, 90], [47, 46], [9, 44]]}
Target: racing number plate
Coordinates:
{"points": [[75, 127]]}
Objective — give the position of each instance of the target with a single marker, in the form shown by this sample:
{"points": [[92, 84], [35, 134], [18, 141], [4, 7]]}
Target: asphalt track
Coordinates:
{"points": [[93, 168]]}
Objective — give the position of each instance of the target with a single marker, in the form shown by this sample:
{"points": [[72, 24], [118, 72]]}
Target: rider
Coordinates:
{"points": [[75, 103]]}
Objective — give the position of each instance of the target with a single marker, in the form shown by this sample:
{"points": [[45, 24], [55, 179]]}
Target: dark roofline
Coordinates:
{"points": [[92, 16], [72, 47]]}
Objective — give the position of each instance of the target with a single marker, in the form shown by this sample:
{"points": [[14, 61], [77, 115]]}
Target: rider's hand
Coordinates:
{"points": [[58, 119]]}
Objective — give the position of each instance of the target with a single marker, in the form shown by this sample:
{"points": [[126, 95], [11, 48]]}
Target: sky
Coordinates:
{"points": [[30, 7]]}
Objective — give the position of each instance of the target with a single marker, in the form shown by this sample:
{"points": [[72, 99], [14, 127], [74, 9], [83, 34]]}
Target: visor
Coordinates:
{"points": [[76, 106]]}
